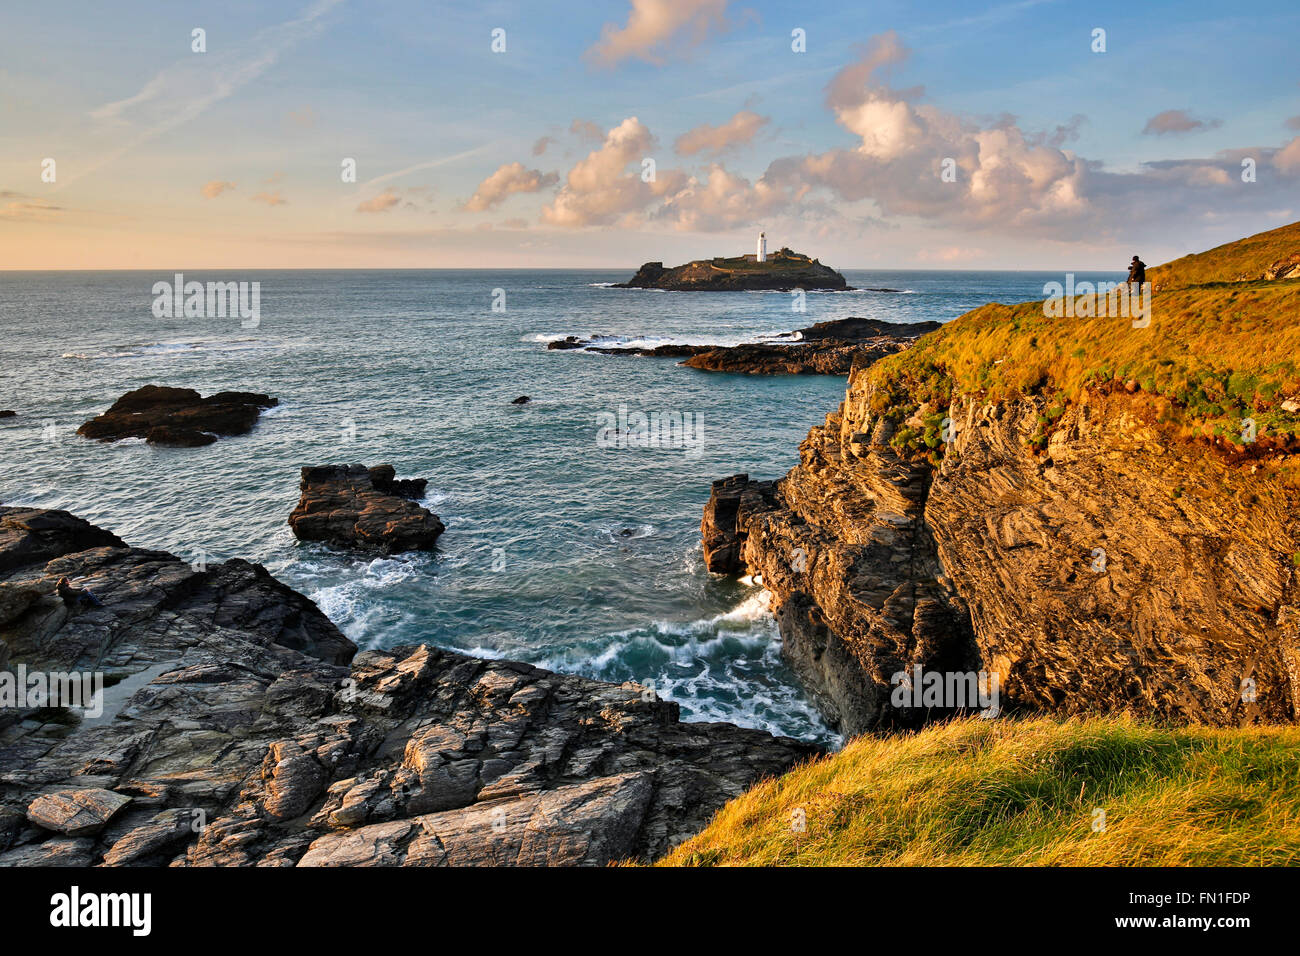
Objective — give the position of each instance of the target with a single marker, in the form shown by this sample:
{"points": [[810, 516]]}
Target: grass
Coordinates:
{"points": [[1012, 793], [1226, 263], [1211, 357]]}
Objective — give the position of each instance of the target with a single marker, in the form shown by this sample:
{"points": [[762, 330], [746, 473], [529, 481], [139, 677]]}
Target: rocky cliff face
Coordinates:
{"points": [[237, 728], [1119, 569]]}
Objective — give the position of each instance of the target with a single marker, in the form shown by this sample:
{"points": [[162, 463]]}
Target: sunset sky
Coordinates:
{"points": [[1064, 158]]}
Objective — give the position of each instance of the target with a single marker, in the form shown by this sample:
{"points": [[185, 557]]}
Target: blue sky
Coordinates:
{"points": [[231, 158]]}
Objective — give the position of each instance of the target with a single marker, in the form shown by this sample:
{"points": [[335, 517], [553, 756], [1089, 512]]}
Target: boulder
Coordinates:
{"points": [[352, 506], [76, 813]]}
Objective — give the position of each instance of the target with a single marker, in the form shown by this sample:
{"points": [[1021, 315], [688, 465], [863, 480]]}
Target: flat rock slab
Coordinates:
{"points": [[76, 812], [352, 506], [177, 417]]}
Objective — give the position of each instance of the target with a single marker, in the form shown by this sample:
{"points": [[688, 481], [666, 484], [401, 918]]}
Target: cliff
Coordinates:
{"points": [[240, 727], [1107, 523], [784, 270]]}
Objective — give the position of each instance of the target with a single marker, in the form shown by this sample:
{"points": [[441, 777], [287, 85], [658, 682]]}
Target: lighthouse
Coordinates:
{"points": [[762, 247]]}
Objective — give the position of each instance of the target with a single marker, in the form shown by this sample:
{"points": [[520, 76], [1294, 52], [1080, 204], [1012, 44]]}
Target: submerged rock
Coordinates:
{"points": [[352, 506], [241, 736], [177, 417]]}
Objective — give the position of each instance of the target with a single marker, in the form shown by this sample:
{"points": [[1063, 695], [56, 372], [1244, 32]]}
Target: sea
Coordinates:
{"points": [[566, 545]]}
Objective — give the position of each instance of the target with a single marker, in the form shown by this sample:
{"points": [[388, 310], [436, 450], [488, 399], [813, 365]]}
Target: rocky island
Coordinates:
{"points": [[784, 270]]}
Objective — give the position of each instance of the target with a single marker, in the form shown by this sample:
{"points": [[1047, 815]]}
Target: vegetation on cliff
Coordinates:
{"points": [[1004, 792], [1214, 356]]}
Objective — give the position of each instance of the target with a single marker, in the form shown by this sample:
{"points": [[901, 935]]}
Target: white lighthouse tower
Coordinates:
{"points": [[762, 247]]}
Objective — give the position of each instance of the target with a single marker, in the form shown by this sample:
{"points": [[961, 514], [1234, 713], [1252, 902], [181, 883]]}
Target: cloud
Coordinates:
{"points": [[507, 180], [213, 189], [723, 200], [381, 203], [737, 131], [600, 190], [656, 28], [270, 198], [539, 147], [1293, 123], [587, 130], [28, 210], [1287, 159], [304, 118], [1176, 121]]}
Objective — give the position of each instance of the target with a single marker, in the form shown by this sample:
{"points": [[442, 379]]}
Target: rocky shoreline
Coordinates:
{"points": [[827, 348], [240, 727], [369, 509]]}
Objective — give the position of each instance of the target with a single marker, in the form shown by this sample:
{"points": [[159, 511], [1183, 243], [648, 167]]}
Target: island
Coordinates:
{"points": [[782, 271]]}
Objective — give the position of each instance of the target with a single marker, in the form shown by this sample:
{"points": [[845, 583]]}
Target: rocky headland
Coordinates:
{"points": [[783, 271], [826, 348], [178, 417], [240, 727], [369, 509], [1101, 515]]}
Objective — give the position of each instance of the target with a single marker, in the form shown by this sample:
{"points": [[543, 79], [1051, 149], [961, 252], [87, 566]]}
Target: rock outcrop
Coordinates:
{"points": [[827, 348], [352, 506], [234, 732], [783, 271], [177, 416], [1118, 570]]}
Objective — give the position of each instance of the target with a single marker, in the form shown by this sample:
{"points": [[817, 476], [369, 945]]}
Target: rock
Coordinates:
{"points": [[177, 416], [7, 413], [732, 503], [783, 270], [521, 400], [879, 563], [243, 738], [353, 506], [76, 812], [827, 348]]}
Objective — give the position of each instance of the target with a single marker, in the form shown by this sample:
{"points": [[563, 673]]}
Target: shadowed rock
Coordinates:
{"points": [[178, 417], [241, 736]]}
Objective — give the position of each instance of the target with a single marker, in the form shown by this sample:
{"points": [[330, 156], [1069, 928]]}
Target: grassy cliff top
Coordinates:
{"points": [[1212, 356], [1229, 262], [1006, 792]]}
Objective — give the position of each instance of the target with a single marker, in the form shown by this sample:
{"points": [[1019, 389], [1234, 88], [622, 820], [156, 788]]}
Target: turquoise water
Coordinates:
{"points": [[558, 551]]}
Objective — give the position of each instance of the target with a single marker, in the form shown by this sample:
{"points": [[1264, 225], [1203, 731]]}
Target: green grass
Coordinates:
{"points": [[1011, 793]]}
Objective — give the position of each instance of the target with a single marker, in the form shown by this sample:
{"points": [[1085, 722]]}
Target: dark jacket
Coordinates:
{"points": [[1137, 271]]}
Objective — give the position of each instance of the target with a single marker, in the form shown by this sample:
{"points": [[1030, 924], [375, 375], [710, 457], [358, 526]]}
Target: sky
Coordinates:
{"points": [[1036, 134]]}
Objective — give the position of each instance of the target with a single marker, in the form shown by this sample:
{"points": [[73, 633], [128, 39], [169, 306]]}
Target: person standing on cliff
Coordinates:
{"points": [[1137, 271]]}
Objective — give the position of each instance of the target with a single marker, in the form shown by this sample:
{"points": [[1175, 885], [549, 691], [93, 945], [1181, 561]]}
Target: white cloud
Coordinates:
{"points": [[655, 28], [506, 181], [213, 189]]}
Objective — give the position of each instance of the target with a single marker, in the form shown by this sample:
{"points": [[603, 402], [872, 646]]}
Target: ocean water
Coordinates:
{"points": [[559, 549]]}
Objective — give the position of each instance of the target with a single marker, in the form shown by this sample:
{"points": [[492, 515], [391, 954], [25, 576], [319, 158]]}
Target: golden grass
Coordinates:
{"points": [[1014, 793], [1226, 263]]}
